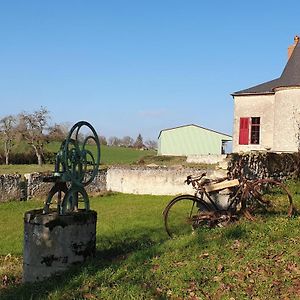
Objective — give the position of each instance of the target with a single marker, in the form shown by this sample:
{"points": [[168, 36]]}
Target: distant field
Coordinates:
{"points": [[119, 155], [110, 155], [23, 169]]}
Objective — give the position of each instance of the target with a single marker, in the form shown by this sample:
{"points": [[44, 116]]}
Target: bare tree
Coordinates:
{"points": [[139, 142], [8, 132], [127, 141], [151, 144], [32, 127], [114, 141], [56, 133], [65, 128], [102, 140]]}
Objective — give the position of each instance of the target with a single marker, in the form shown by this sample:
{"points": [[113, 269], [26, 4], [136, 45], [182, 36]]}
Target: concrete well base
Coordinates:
{"points": [[53, 242]]}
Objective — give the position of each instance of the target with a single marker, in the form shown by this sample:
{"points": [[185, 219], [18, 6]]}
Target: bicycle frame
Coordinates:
{"points": [[209, 213], [232, 201], [245, 189]]}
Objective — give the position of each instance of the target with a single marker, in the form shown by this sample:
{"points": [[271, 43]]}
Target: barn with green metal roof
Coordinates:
{"points": [[191, 140]]}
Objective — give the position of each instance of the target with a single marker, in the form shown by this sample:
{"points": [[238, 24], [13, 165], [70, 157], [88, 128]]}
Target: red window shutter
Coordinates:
{"points": [[244, 131]]}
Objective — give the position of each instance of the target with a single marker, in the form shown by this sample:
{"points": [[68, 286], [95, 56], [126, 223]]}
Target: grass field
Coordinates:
{"points": [[110, 155], [23, 169], [136, 260]]}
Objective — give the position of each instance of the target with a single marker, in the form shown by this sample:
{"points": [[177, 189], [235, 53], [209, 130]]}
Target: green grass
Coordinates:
{"points": [[136, 260], [21, 146], [172, 161], [110, 155], [23, 169]]}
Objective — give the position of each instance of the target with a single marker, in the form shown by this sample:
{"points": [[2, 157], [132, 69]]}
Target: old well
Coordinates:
{"points": [[57, 237], [53, 242]]}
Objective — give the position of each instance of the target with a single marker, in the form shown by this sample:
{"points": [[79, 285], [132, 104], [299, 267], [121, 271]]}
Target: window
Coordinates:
{"points": [[255, 126], [252, 126], [244, 131]]}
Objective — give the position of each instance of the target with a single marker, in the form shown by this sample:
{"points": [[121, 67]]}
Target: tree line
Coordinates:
{"points": [[34, 128]]}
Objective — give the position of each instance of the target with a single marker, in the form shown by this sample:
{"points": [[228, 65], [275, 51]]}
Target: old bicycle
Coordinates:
{"points": [[185, 213]]}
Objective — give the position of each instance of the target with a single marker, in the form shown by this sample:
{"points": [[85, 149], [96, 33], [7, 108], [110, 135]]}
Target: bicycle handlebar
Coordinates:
{"points": [[198, 182], [192, 179]]}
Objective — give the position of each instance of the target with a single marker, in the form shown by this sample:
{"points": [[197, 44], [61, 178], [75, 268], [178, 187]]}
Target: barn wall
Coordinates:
{"points": [[190, 140]]}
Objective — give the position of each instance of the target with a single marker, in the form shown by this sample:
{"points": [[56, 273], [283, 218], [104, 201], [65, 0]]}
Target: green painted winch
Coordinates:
{"points": [[76, 166]]}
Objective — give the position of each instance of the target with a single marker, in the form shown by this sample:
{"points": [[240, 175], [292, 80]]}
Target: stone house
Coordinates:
{"points": [[266, 116]]}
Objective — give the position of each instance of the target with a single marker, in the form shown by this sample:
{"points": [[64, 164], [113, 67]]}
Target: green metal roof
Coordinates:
{"points": [[189, 140]]}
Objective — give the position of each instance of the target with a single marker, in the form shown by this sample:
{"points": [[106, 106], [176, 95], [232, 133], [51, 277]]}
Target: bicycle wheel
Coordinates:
{"points": [[184, 214], [264, 190]]}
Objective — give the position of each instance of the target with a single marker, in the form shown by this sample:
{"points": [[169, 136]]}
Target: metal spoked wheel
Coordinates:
{"points": [[56, 194], [80, 163], [73, 198], [184, 214], [263, 191]]}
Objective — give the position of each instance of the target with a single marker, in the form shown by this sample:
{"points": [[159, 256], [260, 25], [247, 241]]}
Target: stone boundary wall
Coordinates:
{"points": [[99, 183], [280, 166], [159, 180], [17, 187], [132, 180], [10, 187], [35, 185], [37, 188], [153, 181]]}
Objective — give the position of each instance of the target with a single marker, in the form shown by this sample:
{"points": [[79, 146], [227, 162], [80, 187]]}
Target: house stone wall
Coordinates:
{"points": [[254, 106], [287, 110]]}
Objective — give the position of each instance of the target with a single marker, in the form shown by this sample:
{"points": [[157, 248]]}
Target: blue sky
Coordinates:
{"points": [[132, 67]]}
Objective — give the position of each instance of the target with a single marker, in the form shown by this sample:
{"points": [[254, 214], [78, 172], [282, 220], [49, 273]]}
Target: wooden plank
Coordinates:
{"points": [[221, 185]]}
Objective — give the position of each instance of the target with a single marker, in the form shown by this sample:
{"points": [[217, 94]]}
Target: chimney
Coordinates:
{"points": [[292, 47]]}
